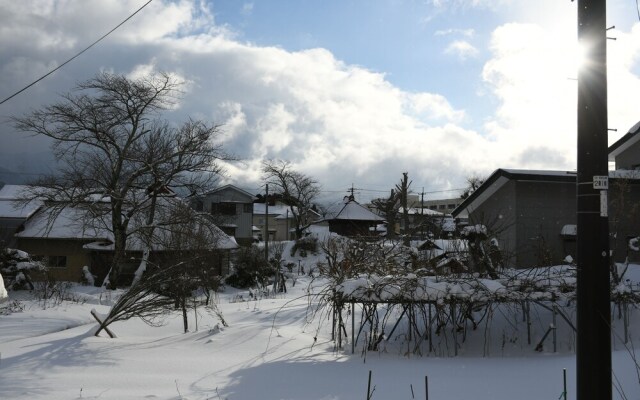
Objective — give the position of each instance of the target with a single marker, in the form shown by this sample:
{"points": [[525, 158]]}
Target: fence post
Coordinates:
{"points": [[426, 388], [369, 387]]}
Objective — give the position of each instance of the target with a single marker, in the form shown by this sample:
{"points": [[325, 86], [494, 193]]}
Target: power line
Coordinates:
{"points": [[74, 57]]}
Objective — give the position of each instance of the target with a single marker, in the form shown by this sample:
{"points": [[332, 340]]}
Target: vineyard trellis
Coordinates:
{"points": [[436, 311]]}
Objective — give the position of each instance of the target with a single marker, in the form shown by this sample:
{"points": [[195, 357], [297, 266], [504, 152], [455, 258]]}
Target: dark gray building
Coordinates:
{"points": [[533, 213], [527, 211]]}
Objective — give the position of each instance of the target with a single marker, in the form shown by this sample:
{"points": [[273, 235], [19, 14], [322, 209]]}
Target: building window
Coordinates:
{"points": [[57, 261], [442, 206], [247, 208], [452, 206], [223, 208]]}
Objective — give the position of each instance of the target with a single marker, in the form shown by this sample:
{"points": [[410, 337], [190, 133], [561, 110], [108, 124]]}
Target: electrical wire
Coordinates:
{"points": [[74, 57]]}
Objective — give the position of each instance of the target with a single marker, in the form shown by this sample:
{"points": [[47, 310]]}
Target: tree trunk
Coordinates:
{"points": [[185, 320], [119, 243]]}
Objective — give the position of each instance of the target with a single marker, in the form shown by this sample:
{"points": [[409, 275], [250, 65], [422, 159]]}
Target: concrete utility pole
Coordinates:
{"points": [[266, 224], [593, 353]]}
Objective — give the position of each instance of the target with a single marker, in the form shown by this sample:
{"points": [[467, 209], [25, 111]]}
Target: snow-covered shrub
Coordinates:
{"points": [[51, 293], [11, 307], [16, 267], [250, 269], [307, 244]]}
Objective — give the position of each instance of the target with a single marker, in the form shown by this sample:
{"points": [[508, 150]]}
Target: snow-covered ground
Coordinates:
{"points": [[268, 351]]}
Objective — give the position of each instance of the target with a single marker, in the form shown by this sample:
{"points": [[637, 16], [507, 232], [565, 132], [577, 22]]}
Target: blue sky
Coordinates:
{"points": [[350, 92], [405, 40]]}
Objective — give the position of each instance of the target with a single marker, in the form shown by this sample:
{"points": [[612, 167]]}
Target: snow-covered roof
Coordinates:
{"points": [[9, 208], [69, 223], [221, 242], [77, 223], [355, 212], [421, 211], [279, 209], [11, 192]]}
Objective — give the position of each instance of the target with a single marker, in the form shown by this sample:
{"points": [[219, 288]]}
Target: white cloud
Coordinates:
{"points": [[462, 32], [530, 74], [461, 49], [340, 123]]}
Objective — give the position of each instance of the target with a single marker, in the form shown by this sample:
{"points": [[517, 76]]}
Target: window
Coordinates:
{"points": [[451, 206], [57, 261], [248, 208], [223, 208], [442, 206]]}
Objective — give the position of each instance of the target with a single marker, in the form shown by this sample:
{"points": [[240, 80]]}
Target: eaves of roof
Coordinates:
{"points": [[629, 139], [501, 176], [237, 189]]}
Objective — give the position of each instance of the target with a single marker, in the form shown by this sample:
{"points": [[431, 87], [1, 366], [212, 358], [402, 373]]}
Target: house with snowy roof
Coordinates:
{"points": [[233, 209], [279, 219], [356, 220], [67, 238], [532, 213], [13, 213]]}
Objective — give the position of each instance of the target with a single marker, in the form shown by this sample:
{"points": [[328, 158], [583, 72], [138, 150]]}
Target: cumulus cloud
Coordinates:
{"points": [[338, 122], [530, 73]]}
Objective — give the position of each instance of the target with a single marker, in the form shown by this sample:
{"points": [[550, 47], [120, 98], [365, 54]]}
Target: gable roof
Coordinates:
{"points": [[75, 223], [66, 223], [233, 188], [625, 142], [501, 176], [353, 211], [9, 208]]}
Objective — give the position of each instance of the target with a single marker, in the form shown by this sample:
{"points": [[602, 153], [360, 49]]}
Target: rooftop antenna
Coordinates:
{"points": [[352, 190]]}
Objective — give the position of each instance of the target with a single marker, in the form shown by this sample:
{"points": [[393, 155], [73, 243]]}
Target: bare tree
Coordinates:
{"points": [[473, 183], [389, 209], [188, 263], [116, 156], [403, 192], [298, 191]]}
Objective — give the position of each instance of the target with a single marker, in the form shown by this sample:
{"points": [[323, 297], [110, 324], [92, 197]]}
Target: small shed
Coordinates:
{"points": [[355, 220]]}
